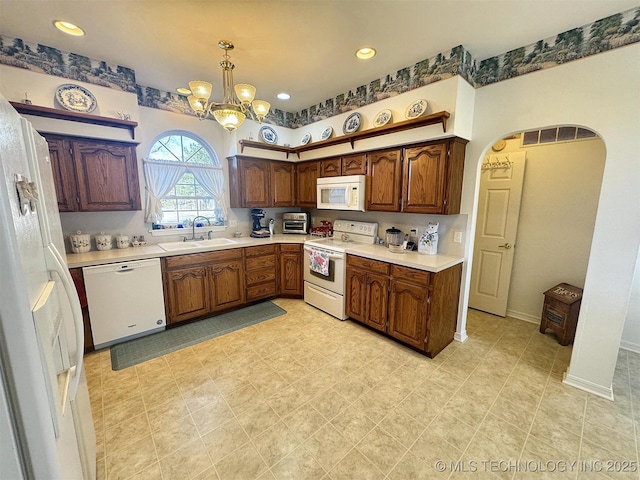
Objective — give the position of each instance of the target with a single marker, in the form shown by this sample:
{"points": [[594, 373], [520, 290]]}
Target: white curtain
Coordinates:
{"points": [[212, 180], [160, 179]]}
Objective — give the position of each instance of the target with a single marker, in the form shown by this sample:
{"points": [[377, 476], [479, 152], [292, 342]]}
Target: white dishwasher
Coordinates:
{"points": [[125, 300]]}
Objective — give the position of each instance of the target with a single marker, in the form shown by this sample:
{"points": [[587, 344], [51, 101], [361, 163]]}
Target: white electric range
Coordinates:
{"points": [[326, 292]]}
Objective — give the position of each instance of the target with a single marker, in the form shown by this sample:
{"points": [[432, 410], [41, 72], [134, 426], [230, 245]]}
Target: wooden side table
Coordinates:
{"points": [[560, 311]]}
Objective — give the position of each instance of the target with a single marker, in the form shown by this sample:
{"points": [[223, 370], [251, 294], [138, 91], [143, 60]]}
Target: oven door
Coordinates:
{"points": [[294, 226], [335, 281]]}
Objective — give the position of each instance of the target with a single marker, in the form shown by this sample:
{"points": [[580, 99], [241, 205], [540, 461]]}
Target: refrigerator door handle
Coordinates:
{"points": [[58, 264]]}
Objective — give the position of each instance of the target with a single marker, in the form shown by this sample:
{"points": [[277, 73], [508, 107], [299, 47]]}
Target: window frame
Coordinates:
{"points": [[173, 228]]}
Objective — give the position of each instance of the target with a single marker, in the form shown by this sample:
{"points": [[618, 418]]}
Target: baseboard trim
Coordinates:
{"points": [[632, 347], [587, 386], [524, 316]]}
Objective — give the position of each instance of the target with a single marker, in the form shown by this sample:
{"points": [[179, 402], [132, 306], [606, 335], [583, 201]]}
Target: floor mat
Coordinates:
{"points": [[136, 351]]}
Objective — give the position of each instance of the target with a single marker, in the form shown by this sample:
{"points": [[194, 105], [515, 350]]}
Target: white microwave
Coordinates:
{"points": [[341, 193]]}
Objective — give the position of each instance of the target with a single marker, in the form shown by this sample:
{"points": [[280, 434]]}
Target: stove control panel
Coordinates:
{"points": [[365, 229]]}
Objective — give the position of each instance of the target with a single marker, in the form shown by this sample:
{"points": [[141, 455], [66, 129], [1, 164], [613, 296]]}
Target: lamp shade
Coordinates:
{"points": [[245, 92], [196, 104], [260, 108], [201, 90], [229, 118]]}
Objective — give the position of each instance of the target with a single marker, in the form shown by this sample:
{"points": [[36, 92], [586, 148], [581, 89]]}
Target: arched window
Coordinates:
{"points": [[184, 180]]}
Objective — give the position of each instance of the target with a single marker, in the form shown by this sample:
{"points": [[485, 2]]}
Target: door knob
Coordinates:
{"points": [[506, 245]]}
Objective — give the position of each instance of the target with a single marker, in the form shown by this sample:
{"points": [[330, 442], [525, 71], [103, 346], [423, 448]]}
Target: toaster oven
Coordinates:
{"points": [[295, 223]]}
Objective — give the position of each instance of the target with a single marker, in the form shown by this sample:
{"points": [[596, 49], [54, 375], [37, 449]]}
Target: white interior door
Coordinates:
{"points": [[497, 226]]}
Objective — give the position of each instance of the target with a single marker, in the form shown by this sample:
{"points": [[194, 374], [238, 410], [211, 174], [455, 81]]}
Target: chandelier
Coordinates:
{"points": [[232, 111]]}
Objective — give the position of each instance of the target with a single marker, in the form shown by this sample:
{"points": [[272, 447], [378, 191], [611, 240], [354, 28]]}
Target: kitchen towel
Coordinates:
{"points": [[319, 262]]}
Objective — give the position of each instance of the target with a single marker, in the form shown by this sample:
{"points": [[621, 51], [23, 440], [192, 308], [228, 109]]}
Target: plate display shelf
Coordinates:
{"points": [[71, 116], [433, 119]]}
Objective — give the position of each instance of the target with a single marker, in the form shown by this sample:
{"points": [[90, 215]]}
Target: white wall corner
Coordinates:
{"points": [[463, 115], [587, 386]]}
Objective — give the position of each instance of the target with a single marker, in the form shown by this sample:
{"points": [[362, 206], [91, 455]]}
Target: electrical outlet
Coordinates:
{"points": [[233, 223], [457, 237]]}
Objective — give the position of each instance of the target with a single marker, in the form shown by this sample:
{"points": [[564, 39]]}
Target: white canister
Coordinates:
{"points": [[122, 241], [103, 241], [80, 242]]}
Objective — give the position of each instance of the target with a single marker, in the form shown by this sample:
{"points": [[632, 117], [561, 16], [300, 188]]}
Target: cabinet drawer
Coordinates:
{"points": [[261, 291], [410, 275], [290, 247], [260, 250], [557, 306], [368, 264], [179, 261], [255, 263], [260, 276]]}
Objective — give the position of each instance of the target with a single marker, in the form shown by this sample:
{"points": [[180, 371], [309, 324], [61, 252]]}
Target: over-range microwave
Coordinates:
{"points": [[341, 193]]}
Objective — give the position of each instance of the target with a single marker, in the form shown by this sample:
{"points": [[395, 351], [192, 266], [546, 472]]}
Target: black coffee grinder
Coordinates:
{"points": [[257, 230]]}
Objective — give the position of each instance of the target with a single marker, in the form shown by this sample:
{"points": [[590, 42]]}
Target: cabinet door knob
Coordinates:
{"points": [[506, 245]]}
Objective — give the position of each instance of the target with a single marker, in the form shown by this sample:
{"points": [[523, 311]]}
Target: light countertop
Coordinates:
{"points": [[430, 263]]}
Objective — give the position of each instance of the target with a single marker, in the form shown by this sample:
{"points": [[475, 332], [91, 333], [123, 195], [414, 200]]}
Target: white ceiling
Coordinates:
{"points": [[303, 47]]}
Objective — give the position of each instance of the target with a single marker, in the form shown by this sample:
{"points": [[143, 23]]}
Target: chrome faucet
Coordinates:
{"points": [[193, 230]]}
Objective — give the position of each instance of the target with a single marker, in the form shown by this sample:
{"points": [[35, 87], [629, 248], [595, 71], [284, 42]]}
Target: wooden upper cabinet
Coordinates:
{"points": [[432, 177], [94, 175], [331, 167], [106, 178], [307, 175], [283, 184], [64, 176], [384, 177], [354, 164], [256, 183], [255, 179], [423, 178]]}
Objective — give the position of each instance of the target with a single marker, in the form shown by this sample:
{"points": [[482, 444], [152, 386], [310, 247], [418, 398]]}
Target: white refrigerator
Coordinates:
{"points": [[46, 427]]}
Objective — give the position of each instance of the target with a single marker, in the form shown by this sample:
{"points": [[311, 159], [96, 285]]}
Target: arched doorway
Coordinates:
{"points": [[562, 178]]}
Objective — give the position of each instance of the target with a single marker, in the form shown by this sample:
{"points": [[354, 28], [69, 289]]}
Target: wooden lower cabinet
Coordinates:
{"points": [[408, 305], [367, 291], [78, 281], [416, 307], [227, 285], [187, 292], [199, 284], [291, 270]]}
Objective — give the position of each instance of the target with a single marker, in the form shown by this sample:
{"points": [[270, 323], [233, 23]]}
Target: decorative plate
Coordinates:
{"points": [[306, 139], [268, 135], [416, 109], [382, 118], [76, 98], [326, 133], [352, 123]]}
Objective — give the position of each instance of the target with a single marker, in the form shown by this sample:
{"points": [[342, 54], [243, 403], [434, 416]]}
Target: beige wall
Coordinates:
{"points": [[558, 211]]}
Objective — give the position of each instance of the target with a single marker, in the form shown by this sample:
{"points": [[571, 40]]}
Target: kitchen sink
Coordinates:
{"points": [[173, 246]]}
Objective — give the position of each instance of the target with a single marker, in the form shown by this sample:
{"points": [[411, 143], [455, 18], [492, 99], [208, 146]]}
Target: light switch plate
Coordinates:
{"points": [[457, 237]]}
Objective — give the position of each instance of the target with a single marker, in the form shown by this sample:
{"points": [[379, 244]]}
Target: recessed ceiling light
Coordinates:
{"points": [[283, 96], [366, 52], [183, 91], [68, 28]]}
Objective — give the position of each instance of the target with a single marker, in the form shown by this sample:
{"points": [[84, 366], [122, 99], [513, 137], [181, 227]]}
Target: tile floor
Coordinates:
{"points": [[304, 396]]}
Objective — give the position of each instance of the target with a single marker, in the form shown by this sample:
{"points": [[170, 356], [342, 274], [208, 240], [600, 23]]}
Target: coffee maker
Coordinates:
{"points": [[258, 230]]}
